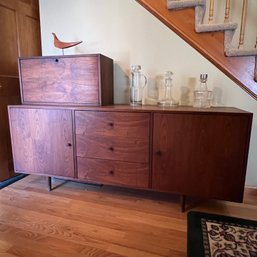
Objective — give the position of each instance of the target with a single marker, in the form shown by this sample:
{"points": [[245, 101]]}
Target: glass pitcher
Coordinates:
{"points": [[138, 83]]}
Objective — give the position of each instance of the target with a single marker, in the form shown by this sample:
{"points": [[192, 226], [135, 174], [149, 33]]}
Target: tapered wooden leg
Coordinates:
{"points": [[49, 183], [182, 202]]}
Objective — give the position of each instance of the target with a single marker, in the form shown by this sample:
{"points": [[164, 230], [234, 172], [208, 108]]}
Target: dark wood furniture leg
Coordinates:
{"points": [[49, 183]]}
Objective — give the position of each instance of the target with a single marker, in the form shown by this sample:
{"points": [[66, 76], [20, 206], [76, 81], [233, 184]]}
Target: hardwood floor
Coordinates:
{"points": [[77, 220]]}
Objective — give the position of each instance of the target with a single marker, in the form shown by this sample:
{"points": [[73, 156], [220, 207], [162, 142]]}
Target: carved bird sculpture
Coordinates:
{"points": [[62, 45]]}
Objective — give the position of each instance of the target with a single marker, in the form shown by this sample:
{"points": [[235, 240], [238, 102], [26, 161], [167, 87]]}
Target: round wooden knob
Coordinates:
{"points": [[159, 153]]}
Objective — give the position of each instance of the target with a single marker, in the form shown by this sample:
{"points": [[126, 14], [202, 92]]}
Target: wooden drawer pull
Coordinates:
{"points": [[159, 153]]}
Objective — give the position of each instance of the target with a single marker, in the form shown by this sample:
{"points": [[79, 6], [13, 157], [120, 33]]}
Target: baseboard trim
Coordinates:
{"points": [[12, 180], [251, 188]]}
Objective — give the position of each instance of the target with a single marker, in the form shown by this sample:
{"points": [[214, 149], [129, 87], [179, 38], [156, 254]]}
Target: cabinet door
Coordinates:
{"points": [[201, 154], [42, 141]]}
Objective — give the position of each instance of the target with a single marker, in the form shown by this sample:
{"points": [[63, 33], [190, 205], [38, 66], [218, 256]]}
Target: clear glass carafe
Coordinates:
{"points": [[168, 100], [138, 83], [202, 96]]}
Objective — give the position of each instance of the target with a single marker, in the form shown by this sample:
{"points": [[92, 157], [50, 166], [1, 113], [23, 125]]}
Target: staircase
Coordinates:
{"points": [[212, 40]]}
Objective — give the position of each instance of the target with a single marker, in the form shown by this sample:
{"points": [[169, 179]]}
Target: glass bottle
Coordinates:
{"points": [[137, 85], [168, 100], [202, 96]]}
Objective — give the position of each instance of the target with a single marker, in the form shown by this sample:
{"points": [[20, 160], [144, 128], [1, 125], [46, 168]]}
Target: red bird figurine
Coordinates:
{"points": [[62, 45]]}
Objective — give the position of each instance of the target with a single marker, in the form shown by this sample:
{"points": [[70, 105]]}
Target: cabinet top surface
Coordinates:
{"points": [[63, 56], [144, 108]]}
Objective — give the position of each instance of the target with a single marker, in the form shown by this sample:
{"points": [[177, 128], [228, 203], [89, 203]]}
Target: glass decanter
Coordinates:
{"points": [[168, 100], [202, 96]]}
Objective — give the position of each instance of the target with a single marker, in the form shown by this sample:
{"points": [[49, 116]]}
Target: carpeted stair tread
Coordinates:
{"points": [[174, 4]]}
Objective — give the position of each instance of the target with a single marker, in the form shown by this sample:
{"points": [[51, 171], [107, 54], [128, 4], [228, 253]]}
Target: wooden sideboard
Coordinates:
{"points": [[183, 150]]}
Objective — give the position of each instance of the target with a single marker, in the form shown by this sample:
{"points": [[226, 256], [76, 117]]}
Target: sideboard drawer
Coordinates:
{"points": [[113, 172], [69, 80], [113, 148], [129, 125]]}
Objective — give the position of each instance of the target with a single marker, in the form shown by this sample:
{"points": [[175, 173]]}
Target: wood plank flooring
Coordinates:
{"points": [[77, 219]]}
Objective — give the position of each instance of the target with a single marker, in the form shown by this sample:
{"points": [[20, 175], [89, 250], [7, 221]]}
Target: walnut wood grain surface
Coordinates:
{"points": [[113, 136], [113, 148], [9, 94], [42, 141], [68, 80], [113, 172], [114, 124], [201, 155], [60, 80]]}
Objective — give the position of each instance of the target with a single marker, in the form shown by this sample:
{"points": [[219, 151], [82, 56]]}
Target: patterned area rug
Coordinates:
{"points": [[212, 235]]}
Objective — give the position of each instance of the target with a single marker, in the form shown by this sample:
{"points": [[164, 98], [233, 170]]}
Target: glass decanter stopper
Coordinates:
{"points": [[168, 100]]}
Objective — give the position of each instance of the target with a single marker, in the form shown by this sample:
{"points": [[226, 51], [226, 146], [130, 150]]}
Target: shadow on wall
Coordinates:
{"points": [[121, 86], [151, 91], [187, 92], [217, 96]]}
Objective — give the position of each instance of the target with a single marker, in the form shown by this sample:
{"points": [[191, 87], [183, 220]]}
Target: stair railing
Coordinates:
{"points": [[206, 23]]}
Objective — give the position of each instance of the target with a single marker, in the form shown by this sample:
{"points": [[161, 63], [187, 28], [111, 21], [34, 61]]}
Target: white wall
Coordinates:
{"points": [[126, 32]]}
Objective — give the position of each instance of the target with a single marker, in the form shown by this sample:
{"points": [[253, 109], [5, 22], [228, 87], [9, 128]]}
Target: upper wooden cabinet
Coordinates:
{"points": [[201, 154], [42, 141], [67, 80]]}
